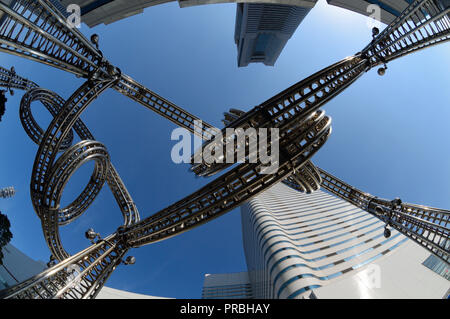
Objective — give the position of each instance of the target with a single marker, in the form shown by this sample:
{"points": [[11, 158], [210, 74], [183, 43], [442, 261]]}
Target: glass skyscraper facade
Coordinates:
{"points": [[262, 30], [227, 286]]}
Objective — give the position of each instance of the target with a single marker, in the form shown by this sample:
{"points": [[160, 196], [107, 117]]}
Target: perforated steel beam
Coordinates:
{"points": [[78, 277], [36, 30], [424, 23], [427, 226]]}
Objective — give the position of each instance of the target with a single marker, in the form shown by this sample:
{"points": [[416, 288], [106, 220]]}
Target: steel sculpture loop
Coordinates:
{"points": [[67, 164], [36, 30], [305, 180], [51, 174], [49, 184], [231, 189], [287, 109], [52, 102]]}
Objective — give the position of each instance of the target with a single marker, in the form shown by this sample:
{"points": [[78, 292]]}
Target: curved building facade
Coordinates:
{"points": [[302, 245]]}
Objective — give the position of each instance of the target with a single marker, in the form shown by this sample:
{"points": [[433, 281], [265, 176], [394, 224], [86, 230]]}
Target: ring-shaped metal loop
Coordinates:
{"points": [[53, 104], [65, 167]]}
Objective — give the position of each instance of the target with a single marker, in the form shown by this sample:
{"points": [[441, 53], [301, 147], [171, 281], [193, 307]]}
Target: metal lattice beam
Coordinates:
{"points": [[37, 31], [427, 226], [423, 24], [78, 277]]}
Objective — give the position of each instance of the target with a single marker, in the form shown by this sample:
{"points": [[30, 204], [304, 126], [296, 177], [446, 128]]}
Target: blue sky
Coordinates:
{"points": [[390, 134]]}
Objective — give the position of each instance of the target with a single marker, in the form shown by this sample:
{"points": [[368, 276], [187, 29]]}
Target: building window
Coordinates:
{"points": [[437, 265], [261, 44]]}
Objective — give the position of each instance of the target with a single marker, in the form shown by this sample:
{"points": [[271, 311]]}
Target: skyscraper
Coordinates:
{"points": [[96, 12], [227, 286], [319, 246], [262, 30]]}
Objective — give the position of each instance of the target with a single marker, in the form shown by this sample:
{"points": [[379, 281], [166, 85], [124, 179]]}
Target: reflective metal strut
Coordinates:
{"points": [[36, 30]]}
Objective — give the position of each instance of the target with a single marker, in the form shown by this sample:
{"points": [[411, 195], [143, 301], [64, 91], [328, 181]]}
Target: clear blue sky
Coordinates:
{"points": [[390, 134]]}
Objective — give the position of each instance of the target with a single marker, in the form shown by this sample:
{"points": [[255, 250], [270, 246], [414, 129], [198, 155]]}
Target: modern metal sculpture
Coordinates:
{"points": [[36, 30]]}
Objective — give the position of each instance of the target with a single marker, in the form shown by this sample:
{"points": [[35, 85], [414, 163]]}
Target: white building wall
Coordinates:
{"points": [[297, 243], [111, 293], [18, 267], [401, 275]]}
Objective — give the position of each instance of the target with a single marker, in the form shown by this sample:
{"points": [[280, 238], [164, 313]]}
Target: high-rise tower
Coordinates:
{"points": [[95, 12], [262, 30], [319, 246]]}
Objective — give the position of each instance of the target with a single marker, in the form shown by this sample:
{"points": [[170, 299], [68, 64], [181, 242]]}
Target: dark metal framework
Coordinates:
{"points": [[36, 30]]}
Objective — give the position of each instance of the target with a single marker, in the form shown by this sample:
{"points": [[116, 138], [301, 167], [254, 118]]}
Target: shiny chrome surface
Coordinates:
{"points": [[78, 277], [428, 226], [36, 30], [422, 24]]}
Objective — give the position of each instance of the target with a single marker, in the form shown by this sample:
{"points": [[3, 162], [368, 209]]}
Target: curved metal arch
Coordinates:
{"points": [[306, 180], [50, 174], [228, 191], [55, 103], [10, 80], [37, 31], [69, 162], [422, 24], [52, 102], [53, 47], [427, 226], [282, 110]]}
